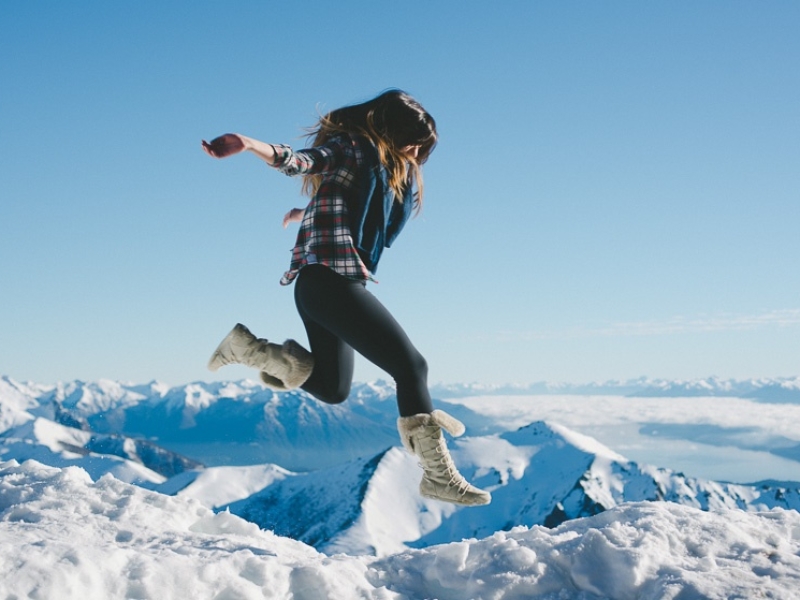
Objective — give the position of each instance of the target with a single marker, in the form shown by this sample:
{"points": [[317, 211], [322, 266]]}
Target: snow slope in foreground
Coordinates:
{"points": [[64, 536]]}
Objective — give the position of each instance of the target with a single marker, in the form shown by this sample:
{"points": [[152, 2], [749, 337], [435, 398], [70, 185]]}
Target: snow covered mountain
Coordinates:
{"points": [[543, 474], [243, 423], [85, 534], [32, 426], [359, 500], [222, 423], [134, 461]]}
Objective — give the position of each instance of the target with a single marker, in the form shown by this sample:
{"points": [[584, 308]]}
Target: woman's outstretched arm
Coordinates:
{"points": [[234, 143]]}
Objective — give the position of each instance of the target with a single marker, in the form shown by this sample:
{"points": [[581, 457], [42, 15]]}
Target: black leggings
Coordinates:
{"points": [[340, 316]]}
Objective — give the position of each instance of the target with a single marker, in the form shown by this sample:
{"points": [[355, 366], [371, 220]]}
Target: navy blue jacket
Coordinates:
{"points": [[376, 218]]}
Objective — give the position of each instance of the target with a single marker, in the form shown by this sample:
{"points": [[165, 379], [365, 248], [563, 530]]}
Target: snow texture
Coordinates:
{"points": [[64, 536]]}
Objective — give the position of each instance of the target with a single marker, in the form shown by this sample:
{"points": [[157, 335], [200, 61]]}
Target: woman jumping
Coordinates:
{"points": [[363, 174]]}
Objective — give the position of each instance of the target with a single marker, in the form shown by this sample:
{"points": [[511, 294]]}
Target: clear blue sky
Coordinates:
{"points": [[616, 192]]}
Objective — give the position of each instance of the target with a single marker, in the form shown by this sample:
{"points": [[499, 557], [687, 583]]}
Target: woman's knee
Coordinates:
{"points": [[413, 368], [420, 367]]}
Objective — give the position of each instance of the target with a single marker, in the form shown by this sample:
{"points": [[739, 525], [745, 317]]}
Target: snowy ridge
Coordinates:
{"points": [[368, 506], [134, 461], [64, 536], [542, 474], [220, 486], [16, 400]]}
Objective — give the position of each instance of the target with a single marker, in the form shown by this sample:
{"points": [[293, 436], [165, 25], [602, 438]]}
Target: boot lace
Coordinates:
{"points": [[456, 479]]}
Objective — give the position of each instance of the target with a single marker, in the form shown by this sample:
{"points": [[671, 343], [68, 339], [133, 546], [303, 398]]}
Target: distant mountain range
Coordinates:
{"points": [[243, 423], [220, 423], [778, 390], [362, 497]]}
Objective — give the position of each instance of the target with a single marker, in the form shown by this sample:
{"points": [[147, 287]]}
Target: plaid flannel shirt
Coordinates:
{"points": [[324, 236]]}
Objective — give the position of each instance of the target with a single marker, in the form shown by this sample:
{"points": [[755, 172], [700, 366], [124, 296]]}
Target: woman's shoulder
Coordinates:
{"points": [[356, 146], [351, 140], [364, 148]]}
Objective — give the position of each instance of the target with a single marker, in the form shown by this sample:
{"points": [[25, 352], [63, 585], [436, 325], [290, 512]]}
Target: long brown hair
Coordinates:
{"points": [[391, 121]]}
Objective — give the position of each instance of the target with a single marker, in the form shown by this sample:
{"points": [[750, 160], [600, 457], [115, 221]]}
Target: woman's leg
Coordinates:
{"points": [[341, 316], [333, 362]]}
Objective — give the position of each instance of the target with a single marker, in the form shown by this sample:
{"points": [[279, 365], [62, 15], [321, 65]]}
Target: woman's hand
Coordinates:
{"points": [[224, 145], [234, 143], [293, 216]]}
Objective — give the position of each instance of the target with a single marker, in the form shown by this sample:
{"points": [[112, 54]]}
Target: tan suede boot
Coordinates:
{"points": [[422, 435], [283, 367]]}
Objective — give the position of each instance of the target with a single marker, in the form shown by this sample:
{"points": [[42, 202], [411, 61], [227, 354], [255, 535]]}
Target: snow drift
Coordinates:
{"points": [[64, 536]]}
